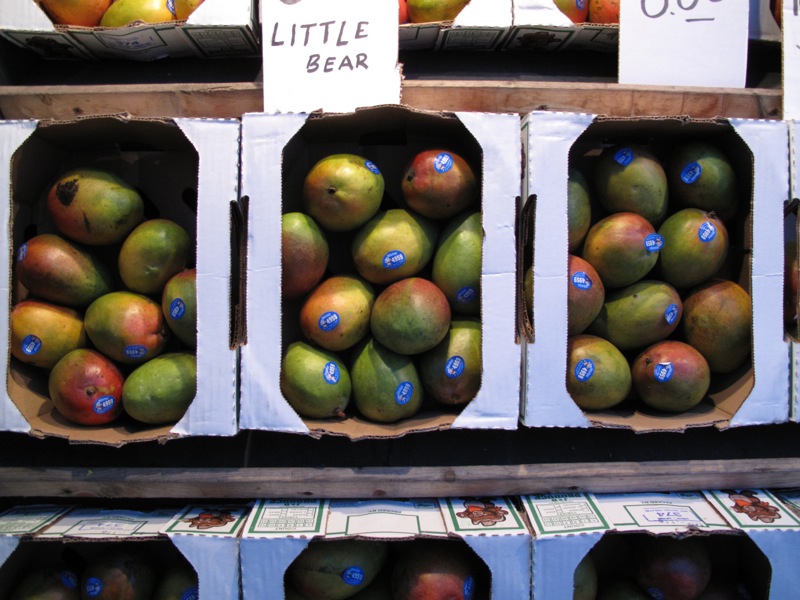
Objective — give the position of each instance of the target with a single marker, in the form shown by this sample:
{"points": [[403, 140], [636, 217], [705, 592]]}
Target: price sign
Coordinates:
{"points": [[333, 56], [684, 42], [791, 59]]}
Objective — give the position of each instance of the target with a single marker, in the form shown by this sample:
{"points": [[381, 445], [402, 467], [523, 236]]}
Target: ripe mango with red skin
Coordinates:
{"points": [[43, 332], [673, 568], [304, 254], [429, 569], [671, 376], [439, 184], [336, 314], [451, 371], [586, 294], [122, 573]]}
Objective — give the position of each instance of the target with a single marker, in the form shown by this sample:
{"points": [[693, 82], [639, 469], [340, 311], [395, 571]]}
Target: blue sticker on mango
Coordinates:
{"points": [[691, 172], [394, 259], [69, 580], [22, 252], [707, 231], [584, 369], [177, 308], [404, 392], [331, 373], [135, 351], [329, 321], [454, 366], [582, 281], [466, 294], [104, 404], [443, 162], [31, 345], [623, 156], [653, 242], [671, 313], [193, 593], [663, 372], [372, 167], [171, 6], [469, 587], [353, 576], [93, 587]]}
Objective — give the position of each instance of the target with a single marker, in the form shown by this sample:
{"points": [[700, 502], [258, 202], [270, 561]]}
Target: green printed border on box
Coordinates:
{"points": [[604, 526], [259, 510]]}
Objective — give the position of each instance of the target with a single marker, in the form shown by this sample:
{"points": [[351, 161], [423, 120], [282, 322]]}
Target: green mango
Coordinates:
{"points": [[160, 390]]}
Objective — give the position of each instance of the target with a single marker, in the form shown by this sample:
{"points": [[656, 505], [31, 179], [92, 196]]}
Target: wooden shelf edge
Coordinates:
{"points": [[231, 100], [397, 482]]}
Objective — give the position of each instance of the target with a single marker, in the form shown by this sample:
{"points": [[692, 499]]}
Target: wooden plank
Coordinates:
{"points": [[231, 100], [397, 482]]}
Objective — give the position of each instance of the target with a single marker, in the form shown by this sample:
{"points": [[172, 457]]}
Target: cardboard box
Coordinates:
{"points": [[757, 395], [566, 527], [277, 531], [187, 171], [763, 25], [278, 151], [218, 28], [481, 25], [791, 233]]}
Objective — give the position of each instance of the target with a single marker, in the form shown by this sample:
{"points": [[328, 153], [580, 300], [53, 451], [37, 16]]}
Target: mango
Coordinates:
{"points": [[178, 582], [128, 328], [60, 271], [42, 332], [584, 579], [394, 244], [152, 253], [119, 573], [337, 569], [179, 305], [791, 279], [631, 178], [304, 254], [161, 390], [700, 175], [432, 11], [622, 589], [439, 183], [639, 315], [718, 321], [410, 316], [83, 13], [695, 247], [94, 206], [451, 370], [341, 192], [125, 12], [386, 385], [673, 568], [586, 294], [598, 375], [316, 383], [623, 248], [435, 569], [185, 8], [671, 376], [336, 314], [50, 582], [457, 263], [579, 209]]}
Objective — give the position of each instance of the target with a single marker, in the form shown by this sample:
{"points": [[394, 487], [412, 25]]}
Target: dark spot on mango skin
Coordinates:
{"points": [[66, 191], [86, 223]]}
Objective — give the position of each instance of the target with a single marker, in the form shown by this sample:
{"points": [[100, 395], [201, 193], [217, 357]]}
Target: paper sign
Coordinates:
{"points": [[684, 42], [331, 56], [790, 19]]}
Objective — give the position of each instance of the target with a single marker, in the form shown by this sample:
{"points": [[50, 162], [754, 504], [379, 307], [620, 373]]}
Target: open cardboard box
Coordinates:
{"points": [[206, 536], [218, 28], [481, 25], [756, 394], [187, 171], [566, 527], [791, 232], [277, 531], [277, 152]]}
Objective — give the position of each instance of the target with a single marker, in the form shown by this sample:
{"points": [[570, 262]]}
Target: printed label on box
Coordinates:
{"points": [[753, 509], [88, 523], [22, 520], [564, 513], [222, 520], [481, 515], [280, 518], [671, 511], [391, 518]]}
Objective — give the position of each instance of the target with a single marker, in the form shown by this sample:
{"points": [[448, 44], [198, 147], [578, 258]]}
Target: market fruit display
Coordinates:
{"points": [[93, 316], [392, 325]]}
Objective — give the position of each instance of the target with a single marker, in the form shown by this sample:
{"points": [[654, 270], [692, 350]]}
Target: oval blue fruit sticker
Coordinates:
{"points": [[93, 587], [192, 593], [623, 156], [469, 587], [691, 172], [353, 576], [454, 367], [329, 321], [653, 242], [31, 345], [580, 4], [466, 294], [23, 250], [404, 392], [707, 231], [372, 167], [177, 308], [443, 162], [171, 6], [104, 404], [69, 579], [581, 280], [135, 351], [331, 373], [671, 313], [584, 369], [394, 259], [663, 372]]}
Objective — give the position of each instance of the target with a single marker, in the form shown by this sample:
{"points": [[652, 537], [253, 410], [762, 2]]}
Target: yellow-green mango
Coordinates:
{"points": [[153, 252], [598, 375], [457, 263], [315, 382], [451, 371], [179, 305], [42, 332], [160, 390]]}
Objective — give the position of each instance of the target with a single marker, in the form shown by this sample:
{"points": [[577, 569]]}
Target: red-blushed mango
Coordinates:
{"points": [[605, 12], [128, 328], [43, 332], [178, 582], [386, 385], [160, 391], [49, 582], [671, 376], [86, 387], [451, 371], [623, 248], [179, 305], [631, 178], [457, 263], [304, 254], [394, 244], [94, 207], [695, 247], [410, 316], [435, 569], [336, 314], [673, 568], [433, 11], [153, 252], [439, 184], [315, 382], [579, 208], [55, 269], [598, 375], [124, 12], [576, 10], [341, 192], [718, 321], [585, 295], [790, 283], [83, 13], [123, 571]]}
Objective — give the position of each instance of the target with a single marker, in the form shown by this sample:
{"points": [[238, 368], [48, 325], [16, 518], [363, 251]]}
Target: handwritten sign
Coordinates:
{"points": [[331, 56], [684, 42], [790, 20]]}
